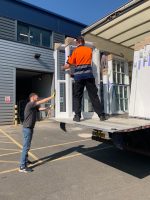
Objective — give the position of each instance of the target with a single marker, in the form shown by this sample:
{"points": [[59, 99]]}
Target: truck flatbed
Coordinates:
{"points": [[113, 124], [126, 133]]}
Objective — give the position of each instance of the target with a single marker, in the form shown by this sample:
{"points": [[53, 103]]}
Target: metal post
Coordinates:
{"points": [[16, 115]]}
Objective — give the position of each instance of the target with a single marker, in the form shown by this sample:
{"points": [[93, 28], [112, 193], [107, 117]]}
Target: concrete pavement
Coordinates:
{"points": [[70, 166]]}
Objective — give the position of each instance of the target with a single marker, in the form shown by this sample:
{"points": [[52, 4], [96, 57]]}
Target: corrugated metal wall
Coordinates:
{"points": [[7, 28], [16, 55], [7, 73], [21, 56], [7, 88]]}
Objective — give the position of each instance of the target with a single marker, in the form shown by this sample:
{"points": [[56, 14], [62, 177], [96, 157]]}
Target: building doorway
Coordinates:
{"points": [[28, 82]]}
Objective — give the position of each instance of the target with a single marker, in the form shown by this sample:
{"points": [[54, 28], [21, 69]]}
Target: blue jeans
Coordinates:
{"points": [[27, 138]]}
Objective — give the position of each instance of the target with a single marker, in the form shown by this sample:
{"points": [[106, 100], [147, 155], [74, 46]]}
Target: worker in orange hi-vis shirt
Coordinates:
{"points": [[81, 58]]}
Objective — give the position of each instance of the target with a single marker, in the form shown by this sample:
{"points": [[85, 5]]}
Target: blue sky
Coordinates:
{"points": [[84, 11]]}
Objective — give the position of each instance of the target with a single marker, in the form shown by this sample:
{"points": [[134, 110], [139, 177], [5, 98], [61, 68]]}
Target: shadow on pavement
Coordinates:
{"points": [[63, 126], [130, 163]]}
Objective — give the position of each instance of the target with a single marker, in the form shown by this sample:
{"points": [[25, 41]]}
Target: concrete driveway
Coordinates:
{"points": [[68, 165]]}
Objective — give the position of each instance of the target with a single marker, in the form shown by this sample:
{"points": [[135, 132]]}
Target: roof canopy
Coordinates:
{"points": [[122, 29]]}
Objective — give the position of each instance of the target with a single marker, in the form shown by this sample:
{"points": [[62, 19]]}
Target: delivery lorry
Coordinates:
{"points": [[121, 66]]}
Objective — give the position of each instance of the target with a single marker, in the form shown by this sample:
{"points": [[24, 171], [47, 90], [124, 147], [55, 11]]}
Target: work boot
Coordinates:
{"points": [[102, 117], [76, 118], [25, 169]]}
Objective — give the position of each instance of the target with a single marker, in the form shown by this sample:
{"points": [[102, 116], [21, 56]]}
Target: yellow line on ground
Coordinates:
{"points": [[7, 154], [3, 149], [6, 142], [62, 144], [8, 171], [18, 144], [8, 161], [13, 140], [59, 159]]}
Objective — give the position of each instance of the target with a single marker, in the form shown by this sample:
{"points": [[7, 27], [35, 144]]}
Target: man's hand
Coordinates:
{"points": [[51, 107], [66, 66], [53, 95]]}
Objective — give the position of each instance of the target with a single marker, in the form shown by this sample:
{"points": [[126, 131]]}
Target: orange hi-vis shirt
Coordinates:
{"points": [[81, 58], [82, 55]]}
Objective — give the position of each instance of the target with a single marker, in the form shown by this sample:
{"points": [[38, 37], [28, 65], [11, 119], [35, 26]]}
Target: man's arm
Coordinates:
{"points": [[45, 100], [44, 109], [71, 61]]}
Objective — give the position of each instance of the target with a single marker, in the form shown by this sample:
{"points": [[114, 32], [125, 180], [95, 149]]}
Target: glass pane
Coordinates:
{"points": [[87, 105], [117, 104], [62, 97], [116, 91], [114, 77], [118, 67], [126, 104], [90, 107], [116, 97], [35, 36], [123, 79], [61, 73], [121, 105], [22, 33], [46, 39], [125, 92], [114, 66], [118, 79], [122, 67], [121, 92]]}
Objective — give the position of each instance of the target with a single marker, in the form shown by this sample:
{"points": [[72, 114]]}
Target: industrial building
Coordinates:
{"points": [[27, 37], [30, 63]]}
